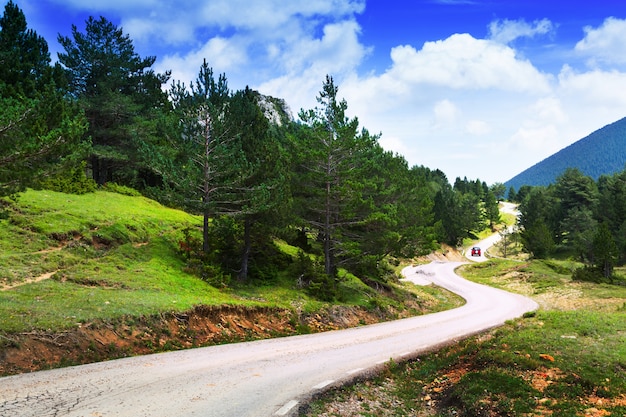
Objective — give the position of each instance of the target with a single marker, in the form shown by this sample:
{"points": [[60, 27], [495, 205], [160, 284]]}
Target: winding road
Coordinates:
{"points": [[262, 378]]}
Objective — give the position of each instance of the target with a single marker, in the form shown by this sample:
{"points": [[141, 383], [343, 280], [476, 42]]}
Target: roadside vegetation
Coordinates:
{"points": [[567, 359], [102, 275]]}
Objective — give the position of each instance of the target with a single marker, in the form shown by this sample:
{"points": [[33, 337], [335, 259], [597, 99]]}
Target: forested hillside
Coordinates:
{"points": [[580, 217], [103, 118], [601, 153]]}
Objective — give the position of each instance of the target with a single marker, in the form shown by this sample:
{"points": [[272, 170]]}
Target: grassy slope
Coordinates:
{"points": [[109, 255]]}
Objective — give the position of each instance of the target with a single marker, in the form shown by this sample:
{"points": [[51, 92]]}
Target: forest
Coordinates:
{"points": [[101, 117], [579, 218], [600, 153]]}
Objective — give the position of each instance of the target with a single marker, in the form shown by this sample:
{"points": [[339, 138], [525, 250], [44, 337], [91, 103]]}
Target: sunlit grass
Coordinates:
{"points": [[105, 256]]}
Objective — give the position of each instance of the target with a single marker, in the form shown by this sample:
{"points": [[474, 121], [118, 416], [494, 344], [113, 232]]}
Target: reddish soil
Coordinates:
{"points": [[203, 326]]}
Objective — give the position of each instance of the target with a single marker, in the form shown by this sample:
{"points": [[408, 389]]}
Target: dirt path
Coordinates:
{"points": [[41, 277]]}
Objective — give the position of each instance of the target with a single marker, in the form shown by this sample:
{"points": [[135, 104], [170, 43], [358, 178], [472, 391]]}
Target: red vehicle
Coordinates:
{"points": [[475, 251]]}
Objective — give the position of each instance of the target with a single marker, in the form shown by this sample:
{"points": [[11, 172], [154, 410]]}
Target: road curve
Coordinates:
{"points": [[488, 242], [261, 378]]}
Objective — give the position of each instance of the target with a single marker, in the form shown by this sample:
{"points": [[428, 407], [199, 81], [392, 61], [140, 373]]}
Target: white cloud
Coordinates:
{"points": [[461, 61], [446, 113], [305, 63], [478, 128], [539, 140], [605, 44], [184, 21], [594, 88], [549, 109], [468, 106], [506, 31], [221, 54], [338, 50]]}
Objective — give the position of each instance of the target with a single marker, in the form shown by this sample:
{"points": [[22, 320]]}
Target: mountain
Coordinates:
{"points": [[275, 109], [602, 152]]}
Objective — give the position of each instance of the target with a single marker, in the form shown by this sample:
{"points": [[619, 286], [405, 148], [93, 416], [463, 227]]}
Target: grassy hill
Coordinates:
{"points": [[95, 276], [603, 152]]}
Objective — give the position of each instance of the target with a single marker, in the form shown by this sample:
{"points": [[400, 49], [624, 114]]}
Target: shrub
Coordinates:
{"points": [[71, 181], [120, 189], [311, 275], [590, 274]]}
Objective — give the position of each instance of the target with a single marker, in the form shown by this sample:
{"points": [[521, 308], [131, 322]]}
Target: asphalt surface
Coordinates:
{"points": [[485, 244], [263, 378]]}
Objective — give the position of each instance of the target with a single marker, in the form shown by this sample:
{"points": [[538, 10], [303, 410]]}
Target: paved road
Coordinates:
{"points": [[494, 238], [262, 378]]}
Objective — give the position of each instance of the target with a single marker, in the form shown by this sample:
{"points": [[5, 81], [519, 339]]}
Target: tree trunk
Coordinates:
{"points": [[247, 245], [328, 264], [205, 232]]}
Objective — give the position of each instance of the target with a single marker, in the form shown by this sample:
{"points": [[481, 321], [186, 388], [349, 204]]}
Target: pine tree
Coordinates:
{"points": [[605, 251], [328, 190], [119, 93], [260, 191], [39, 130]]}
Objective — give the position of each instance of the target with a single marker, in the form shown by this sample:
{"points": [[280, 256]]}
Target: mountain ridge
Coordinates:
{"points": [[603, 152]]}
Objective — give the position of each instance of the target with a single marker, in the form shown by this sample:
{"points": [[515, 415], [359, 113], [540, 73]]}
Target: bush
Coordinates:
{"points": [[590, 274], [72, 181], [120, 189], [311, 275], [208, 272]]}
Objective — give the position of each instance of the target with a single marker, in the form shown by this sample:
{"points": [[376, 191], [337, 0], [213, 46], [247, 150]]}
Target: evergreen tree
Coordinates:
{"points": [[611, 208], [39, 129], [605, 251], [498, 189], [120, 94], [577, 196], [207, 160], [330, 189], [25, 69], [537, 239], [538, 214], [460, 213], [492, 210], [261, 193]]}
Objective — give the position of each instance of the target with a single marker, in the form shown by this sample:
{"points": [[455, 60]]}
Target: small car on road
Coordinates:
{"points": [[475, 251]]}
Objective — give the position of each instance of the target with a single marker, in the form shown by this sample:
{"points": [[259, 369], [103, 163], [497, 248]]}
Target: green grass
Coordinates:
{"points": [[112, 256]]}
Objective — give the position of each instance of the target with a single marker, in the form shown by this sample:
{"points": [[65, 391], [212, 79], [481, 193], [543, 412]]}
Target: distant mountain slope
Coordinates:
{"points": [[602, 152]]}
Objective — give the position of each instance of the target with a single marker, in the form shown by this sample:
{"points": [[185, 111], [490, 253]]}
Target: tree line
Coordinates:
{"points": [[102, 117], [579, 217]]}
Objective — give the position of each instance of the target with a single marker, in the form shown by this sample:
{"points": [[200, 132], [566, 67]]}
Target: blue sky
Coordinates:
{"points": [[476, 88]]}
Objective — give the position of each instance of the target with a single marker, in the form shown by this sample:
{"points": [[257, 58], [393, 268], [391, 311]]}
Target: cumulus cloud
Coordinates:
{"points": [[221, 54], [446, 113], [506, 31], [462, 61], [190, 19], [595, 88], [449, 100], [306, 62], [605, 44]]}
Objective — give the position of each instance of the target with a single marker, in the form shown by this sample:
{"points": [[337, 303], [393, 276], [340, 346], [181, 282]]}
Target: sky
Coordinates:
{"points": [[481, 89]]}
